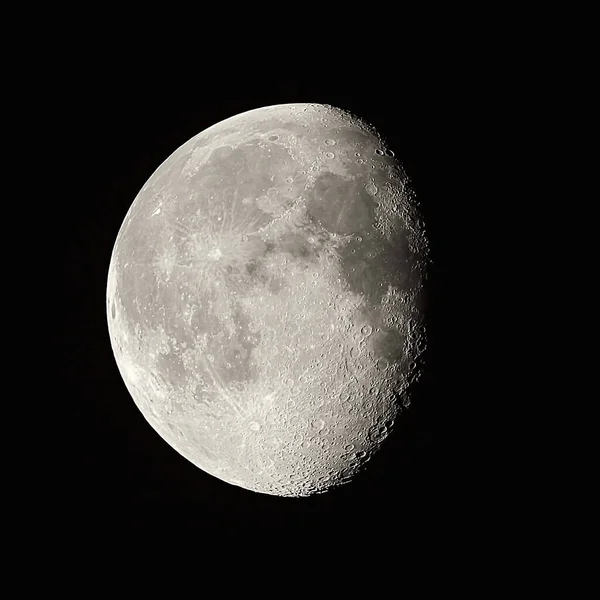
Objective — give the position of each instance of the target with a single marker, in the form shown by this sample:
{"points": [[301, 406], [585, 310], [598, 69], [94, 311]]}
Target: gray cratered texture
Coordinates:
{"points": [[264, 298]]}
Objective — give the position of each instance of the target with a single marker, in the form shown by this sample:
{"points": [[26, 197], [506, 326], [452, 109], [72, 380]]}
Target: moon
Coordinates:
{"points": [[265, 298]]}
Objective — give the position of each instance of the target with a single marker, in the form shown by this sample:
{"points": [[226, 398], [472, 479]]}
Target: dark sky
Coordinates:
{"points": [[121, 126]]}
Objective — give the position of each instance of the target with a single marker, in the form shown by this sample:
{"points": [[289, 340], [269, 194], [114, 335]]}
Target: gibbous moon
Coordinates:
{"points": [[264, 298]]}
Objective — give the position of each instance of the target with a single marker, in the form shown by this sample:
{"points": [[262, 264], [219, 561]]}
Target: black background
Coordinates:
{"points": [[119, 472]]}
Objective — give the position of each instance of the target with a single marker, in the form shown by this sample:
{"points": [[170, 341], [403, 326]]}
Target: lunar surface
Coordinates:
{"points": [[265, 298]]}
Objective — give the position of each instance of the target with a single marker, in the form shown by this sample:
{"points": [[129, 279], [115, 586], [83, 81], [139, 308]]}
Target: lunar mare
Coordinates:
{"points": [[264, 298]]}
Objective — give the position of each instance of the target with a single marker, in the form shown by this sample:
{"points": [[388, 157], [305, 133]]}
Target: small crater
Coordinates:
{"points": [[215, 254], [273, 138], [329, 154], [317, 424], [383, 363], [330, 142], [379, 152], [390, 153], [371, 188]]}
